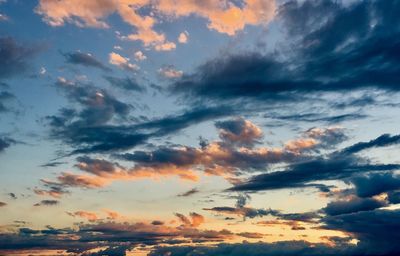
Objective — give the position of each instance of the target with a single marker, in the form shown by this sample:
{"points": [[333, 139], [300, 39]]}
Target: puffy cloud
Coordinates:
{"points": [[168, 46], [183, 37], [239, 130], [122, 62], [139, 56], [90, 216], [56, 13], [224, 16], [170, 72]]}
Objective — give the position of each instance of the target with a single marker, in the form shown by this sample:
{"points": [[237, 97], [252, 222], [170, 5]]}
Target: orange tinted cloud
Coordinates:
{"points": [[224, 16], [225, 158], [90, 216]]}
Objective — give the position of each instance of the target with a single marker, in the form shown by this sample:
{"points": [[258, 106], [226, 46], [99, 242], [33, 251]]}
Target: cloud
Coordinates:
{"points": [[359, 57], [90, 216], [382, 141], [6, 142], [47, 203], [338, 165], [375, 184], [194, 221], [122, 62], [245, 212], [2, 204], [139, 56], [168, 46], [375, 229], [223, 16], [170, 72], [84, 59], [15, 58], [189, 192], [107, 236], [292, 248], [102, 136], [239, 131], [314, 117], [183, 37], [5, 98], [354, 204], [128, 83], [219, 158]]}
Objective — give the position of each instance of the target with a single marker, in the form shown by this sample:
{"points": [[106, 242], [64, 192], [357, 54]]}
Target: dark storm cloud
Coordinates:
{"points": [[375, 184], [107, 236], [128, 83], [376, 230], [15, 57], [291, 248], [394, 197], [335, 48], [338, 165], [85, 59], [308, 173], [353, 205]]}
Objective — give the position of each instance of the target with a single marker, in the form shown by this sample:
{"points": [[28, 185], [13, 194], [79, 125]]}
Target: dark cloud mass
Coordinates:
{"points": [[335, 48], [101, 136], [85, 59], [128, 83], [6, 142], [328, 62], [337, 166], [47, 203], [15, 58]]}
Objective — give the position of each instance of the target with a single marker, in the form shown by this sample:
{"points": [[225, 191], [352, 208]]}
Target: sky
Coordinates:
{"points": [[177, 128]]}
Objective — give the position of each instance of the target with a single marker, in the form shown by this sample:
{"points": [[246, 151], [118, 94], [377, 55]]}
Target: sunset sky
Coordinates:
{"points": [[200, 127]]}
